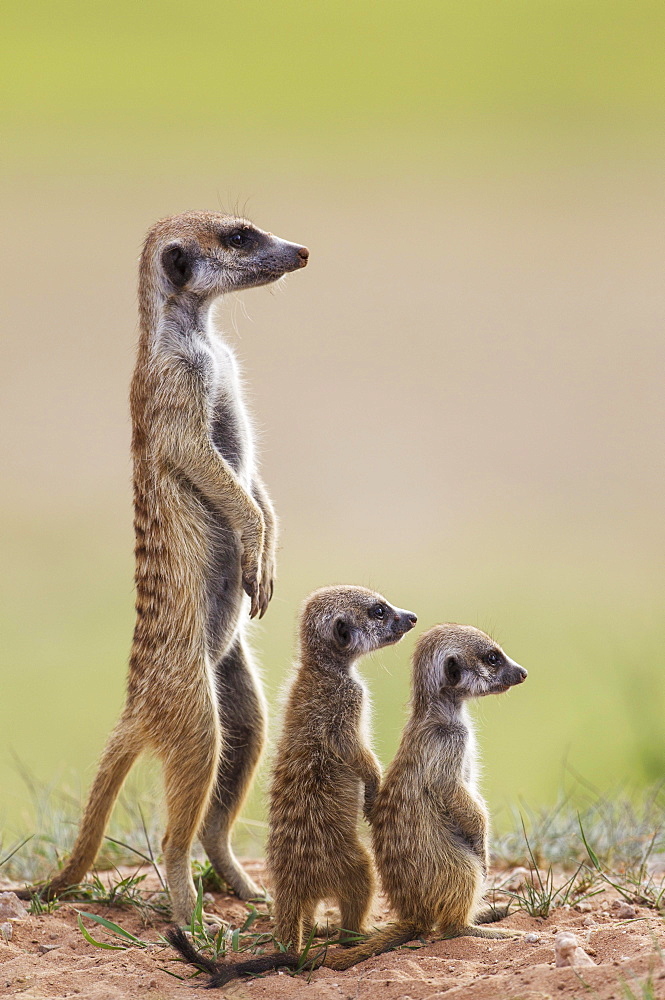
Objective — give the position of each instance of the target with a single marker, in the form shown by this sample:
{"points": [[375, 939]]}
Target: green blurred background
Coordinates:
{"points": [[459, 402]]}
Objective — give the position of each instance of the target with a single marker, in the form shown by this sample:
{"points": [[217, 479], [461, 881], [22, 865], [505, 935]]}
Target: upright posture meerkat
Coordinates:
{"points": [[429, 824], [205, 532], [324, 769]]}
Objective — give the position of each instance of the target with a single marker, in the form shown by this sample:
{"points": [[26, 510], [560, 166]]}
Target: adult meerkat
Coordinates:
{"points": [[429, 823], [324, 769], [205, 534]]}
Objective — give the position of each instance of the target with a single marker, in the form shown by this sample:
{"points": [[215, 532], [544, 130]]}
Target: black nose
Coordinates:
{"points": [[522, 675], [303, 253]]}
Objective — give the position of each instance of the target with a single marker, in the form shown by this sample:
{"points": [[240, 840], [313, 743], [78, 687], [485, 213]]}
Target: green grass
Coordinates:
{"points": [[591, 640], [92, 82], [623, 830]]}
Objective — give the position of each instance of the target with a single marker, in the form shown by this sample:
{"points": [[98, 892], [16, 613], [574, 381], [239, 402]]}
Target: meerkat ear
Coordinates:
{"points": [[177, 263], [452, 670], [342, 634]]}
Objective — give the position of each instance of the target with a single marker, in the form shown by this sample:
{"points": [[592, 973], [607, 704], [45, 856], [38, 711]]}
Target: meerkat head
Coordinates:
{"points": [[348, 622], [459, 662], [207, 254]]}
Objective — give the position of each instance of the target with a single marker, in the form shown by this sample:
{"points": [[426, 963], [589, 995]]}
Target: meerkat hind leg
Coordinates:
{"points": [[289, 921], [242, 721], [121, 751], [355, 899], [188, 779]]}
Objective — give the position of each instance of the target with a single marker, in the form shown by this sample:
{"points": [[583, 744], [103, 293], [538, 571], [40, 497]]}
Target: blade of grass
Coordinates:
{"points": [[98, 944], [16, 850], [150, 851], [114, 928]]}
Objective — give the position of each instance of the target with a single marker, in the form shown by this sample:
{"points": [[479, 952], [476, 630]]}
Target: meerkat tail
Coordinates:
{"points": [[179, 940], [392, 937], [472, 930], [222, 973]]}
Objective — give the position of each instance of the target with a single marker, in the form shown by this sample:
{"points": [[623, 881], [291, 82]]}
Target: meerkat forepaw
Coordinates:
{"points": [[250, 584], [267, 584]]}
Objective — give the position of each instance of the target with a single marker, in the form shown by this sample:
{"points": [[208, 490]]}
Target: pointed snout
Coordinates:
{"points": [[404, 621], [291, 256], [517, 674]]}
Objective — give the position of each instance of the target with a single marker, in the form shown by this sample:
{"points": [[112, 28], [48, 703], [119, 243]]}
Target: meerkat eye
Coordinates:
{"points": [[237, 239], [378, 611], [493, 658]]}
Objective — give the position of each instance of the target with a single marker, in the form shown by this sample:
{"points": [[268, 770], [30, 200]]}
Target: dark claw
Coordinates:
{"points": [[251, 589]]}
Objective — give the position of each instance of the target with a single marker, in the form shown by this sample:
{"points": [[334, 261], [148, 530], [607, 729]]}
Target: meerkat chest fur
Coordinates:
{"points": [[469, 770], [213, 362], [230, 425]]}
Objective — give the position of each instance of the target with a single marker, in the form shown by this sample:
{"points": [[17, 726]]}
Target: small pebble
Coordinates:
{"points": [[583, 907], [46, 948], [6, 931], [531, 937], [588, 922], [567, 951], [623, 911], [11, 907], [208, 898]]}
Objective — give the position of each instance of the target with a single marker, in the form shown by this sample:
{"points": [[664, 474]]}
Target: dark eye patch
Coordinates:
{"points": [[493, 658], [241, 238], [377, 611]]}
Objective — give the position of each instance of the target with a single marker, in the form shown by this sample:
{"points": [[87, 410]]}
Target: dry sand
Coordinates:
{"points": [[48, 957]]}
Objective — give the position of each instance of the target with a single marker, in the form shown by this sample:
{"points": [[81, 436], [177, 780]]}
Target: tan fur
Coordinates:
{"points": [[324, 767], [205, 531], [429, 823], [324, 771]]}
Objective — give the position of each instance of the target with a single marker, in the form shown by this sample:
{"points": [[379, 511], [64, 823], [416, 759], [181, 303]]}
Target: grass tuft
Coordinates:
{"points": [[624, 831]]}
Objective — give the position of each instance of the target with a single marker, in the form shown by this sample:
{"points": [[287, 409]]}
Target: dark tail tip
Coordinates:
{"points": [[179, 940], [222, 973], [254, 967]]}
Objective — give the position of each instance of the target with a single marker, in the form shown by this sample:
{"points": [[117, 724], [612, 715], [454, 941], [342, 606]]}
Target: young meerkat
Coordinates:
{"points": [[324, 770], [205, 536], [429, 823]]}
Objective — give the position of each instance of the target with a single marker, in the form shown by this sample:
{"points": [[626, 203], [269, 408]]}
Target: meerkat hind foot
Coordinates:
{"points": [[490, 914], [249, 890], [239, 884], [238, 881]]}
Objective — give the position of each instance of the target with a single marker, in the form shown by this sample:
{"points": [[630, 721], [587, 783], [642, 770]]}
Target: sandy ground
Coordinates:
{"points": [[48, 957]]}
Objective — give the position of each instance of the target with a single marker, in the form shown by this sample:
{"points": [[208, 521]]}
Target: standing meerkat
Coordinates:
{"points": [[205, 534], [429, 823], [324, 770]]}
